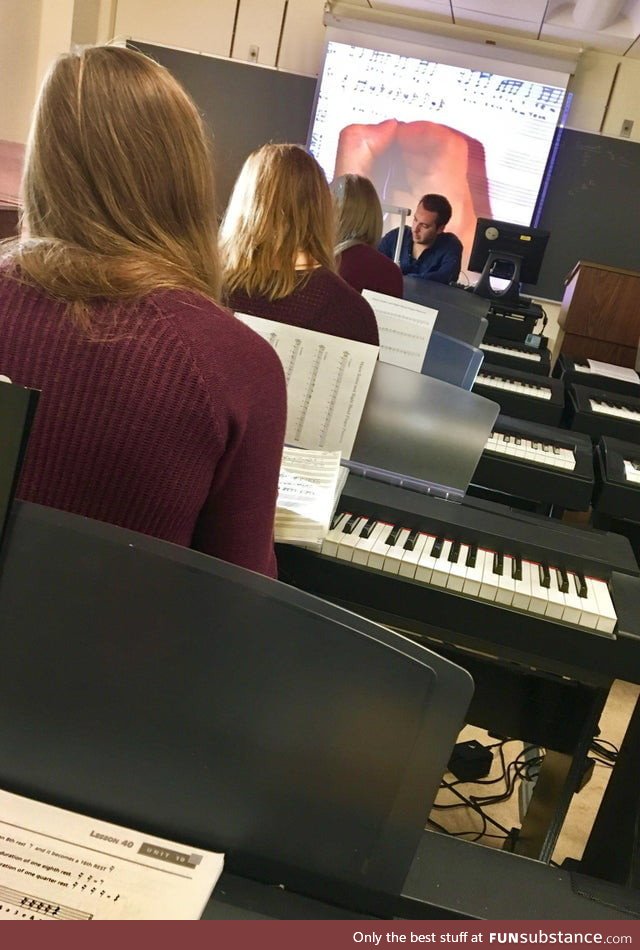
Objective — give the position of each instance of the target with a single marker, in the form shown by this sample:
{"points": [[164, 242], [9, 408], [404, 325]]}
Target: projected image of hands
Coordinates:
{"points": [[406, 160]]}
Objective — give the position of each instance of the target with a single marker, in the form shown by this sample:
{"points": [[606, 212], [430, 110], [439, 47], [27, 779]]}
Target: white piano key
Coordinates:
{"points": [[396, 553], [522, 588], [363, 547], [539, 595], [506, 583], [608, 618], [334, 536], [380, 549], [573, 604], [427, 561], [489, 586], [441, 568], [348, 542], [590, 611], [458, 571], [473, 578], [555, 597], [410, 560]]}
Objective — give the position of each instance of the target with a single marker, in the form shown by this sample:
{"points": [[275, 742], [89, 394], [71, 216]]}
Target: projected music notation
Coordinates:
{"points": [[511, 119]]}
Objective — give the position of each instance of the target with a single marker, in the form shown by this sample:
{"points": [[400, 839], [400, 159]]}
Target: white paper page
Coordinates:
{"points": [[306, 491], [613, 372], [404, 328], [57, 865], [328, 379]]}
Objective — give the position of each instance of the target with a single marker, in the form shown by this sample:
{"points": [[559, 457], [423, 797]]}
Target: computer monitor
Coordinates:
{"points": [[507, 251]]}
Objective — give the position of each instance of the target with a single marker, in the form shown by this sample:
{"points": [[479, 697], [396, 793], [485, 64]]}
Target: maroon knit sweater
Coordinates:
{"points": [[174, 428], [322, 302], [364, 268]]}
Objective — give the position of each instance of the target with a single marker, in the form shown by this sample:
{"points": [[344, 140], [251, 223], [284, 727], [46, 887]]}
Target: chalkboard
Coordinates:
{"points": [[591, 207], [243, 105]]}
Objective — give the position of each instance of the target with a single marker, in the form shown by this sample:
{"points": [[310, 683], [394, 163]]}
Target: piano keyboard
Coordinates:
{"points": [[473, 571], [514, 386], [613, 409], [632, 471], [511, 351], [538, 453]]}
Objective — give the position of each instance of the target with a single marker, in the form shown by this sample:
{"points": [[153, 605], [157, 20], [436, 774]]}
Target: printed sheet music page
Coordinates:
{"points": [[328, 379], [404, 327], [59, 865]]}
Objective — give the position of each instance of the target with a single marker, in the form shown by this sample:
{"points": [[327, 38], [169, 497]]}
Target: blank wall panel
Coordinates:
{"points": [[258, 25], [200, 25]]}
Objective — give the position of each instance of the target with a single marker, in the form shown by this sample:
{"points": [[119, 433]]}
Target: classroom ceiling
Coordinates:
{"points": [[612, 26]]}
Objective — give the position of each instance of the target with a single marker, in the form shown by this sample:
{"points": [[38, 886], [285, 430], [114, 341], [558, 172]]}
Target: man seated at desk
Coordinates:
{"points": [[427, 251]]}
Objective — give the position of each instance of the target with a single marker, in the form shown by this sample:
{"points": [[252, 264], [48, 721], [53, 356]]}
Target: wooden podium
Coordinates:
{"points": [[600, 314]]}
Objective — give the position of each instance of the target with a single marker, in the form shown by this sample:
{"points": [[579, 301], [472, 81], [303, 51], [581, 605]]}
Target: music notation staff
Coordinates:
{"points": [[19, 905]]}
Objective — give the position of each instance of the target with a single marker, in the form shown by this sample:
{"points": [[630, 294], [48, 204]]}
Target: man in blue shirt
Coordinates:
{"points": [[427, 251]]}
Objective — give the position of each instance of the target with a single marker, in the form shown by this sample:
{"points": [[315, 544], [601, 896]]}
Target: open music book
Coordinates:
{"points": [[59, 865], [310, 485], [328, 379]]}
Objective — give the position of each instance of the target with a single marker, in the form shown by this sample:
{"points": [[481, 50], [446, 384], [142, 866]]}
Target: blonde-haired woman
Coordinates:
{"points": [[359, 229], [159, 411], [277, 241]]}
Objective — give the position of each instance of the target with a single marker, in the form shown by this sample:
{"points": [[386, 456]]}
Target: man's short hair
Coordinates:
{"points": [[439, 205]]}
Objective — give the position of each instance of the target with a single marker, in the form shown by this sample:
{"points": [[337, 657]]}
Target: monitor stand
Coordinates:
{"points": [[511, 293]]}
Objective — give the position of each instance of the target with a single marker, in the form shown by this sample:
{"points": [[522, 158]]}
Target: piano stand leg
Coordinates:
{"points": [[559, 779]]}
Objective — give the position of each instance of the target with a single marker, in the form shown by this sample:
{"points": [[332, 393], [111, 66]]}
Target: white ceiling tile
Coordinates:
{"points": [[439, 8], [634, 51], [601, 41], [500, 23], [530, 10]]}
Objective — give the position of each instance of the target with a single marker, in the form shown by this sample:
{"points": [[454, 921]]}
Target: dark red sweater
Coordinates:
{"points": [[322, 302], [174, 429], [364, 268]]}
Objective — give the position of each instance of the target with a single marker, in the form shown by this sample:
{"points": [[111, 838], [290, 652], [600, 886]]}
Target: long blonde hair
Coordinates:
{"points": [[358, 212], [118, 184], [280, 206]]}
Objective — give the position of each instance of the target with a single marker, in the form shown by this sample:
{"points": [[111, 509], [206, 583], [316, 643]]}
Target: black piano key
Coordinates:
{"points": [[454, 552], [516, 567], [410, 543], [498, 563], [336, 518], [563, 580], [438, 545], [472, 555], [368, 528], [534, 446], [545, 576], [518, 441], [544, 447], [555, 449], [351, 523], [506, 438], [581, 585], [393, 535]]}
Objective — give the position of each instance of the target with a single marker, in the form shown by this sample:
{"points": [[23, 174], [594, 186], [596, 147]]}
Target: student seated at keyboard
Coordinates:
{"points": [[359, 229], [160, 411], [277, 241]]}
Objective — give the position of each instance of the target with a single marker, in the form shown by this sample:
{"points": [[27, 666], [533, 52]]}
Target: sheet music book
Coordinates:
{"points": [[328, 378], [58, 865], [404, 328], [608, 369], [310, 485]]}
